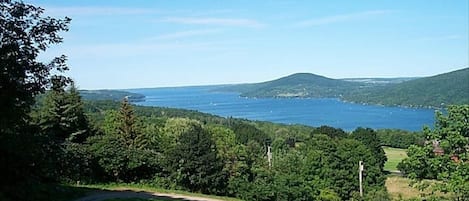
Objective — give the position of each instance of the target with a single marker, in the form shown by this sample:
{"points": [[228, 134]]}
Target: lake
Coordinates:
{"points": [[313, 112]]}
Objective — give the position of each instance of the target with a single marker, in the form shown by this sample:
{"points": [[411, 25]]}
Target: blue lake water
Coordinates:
{"points": [[313, 112]]}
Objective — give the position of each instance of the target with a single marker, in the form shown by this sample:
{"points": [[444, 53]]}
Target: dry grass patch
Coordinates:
{"points": [[400, 186]]}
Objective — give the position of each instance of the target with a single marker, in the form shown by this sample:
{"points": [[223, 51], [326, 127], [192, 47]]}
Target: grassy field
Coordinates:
{"points": [[395, 156], [399, 186]]}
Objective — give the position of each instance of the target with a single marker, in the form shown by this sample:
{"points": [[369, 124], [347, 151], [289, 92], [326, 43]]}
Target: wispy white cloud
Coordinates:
{"points": [[93, 10], [241, 22], [441, 38], [144, 49], [342, 18], [185, 34]]}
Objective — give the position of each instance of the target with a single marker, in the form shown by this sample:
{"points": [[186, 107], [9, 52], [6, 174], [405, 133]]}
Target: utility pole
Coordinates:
{"points": [[269, 155], [360, 176]]}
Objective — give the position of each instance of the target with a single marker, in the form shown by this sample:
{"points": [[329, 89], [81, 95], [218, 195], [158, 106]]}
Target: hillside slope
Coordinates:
{"points": [[300, 85], [435, 91]]}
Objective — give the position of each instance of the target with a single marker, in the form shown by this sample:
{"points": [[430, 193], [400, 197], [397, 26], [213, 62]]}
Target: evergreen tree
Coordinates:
{"points": [[76, 119], [127, 127], [62, 123], [62, 117], [124, 152], [193, 163]]}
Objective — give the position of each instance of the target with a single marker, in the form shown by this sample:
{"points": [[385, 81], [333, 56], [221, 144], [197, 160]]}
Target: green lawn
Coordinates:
{"points": [[395, 156]]}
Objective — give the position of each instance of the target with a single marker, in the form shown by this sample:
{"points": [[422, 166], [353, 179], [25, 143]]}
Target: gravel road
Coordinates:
{"points": [[104, 195]]}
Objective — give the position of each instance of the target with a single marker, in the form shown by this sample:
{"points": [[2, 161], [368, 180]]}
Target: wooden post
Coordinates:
{"points": [[269, 155], [360, 176]]}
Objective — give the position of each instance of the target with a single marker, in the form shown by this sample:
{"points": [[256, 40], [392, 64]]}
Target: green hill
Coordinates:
{"points": [[435, 91], [303, 85]]}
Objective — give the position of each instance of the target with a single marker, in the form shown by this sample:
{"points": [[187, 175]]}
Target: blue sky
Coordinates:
{"points": [[132, 44]]}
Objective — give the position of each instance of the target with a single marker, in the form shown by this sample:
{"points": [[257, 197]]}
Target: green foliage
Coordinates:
{"points": [[330, 131], [127, 127], [25, 33], [124, 152], [328, 195], [61, 116], [246, 132], [369, 138], [193, 163], [62, 126], [399, 138], [451, 136], [436, 91], [297, 85], [227, 149]]}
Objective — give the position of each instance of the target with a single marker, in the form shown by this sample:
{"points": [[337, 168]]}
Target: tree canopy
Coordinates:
{"points": [[24, 34], [445, 154]]}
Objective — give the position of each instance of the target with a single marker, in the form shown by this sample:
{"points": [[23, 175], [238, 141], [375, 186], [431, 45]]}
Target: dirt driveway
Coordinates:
{"points": [[104, 195]]}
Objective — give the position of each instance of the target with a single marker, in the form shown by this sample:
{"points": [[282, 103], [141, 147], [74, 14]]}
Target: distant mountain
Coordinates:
{"points": [[297, 85], [115, 95], [435, 91]]}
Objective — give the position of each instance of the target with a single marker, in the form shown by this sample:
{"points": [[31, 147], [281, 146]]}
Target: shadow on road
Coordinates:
{"points": [[102, 195]]}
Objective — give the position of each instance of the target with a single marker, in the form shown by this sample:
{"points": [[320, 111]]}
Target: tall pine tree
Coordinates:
{"points": [[127, 127], [193, 163], [62, 117]]}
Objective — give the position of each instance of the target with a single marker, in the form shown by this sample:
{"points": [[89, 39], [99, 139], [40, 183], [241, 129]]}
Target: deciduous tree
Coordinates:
{"points": [[445, 155], [24, 34], [193, 163]]}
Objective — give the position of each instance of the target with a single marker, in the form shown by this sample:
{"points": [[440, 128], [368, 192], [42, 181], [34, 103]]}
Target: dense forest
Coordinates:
{"points": [[436, 91], [50, 136]]}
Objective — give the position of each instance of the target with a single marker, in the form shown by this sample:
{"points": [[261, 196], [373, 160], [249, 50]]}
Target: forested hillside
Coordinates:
{"points": [[298, 85], [435, 91]]}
